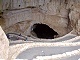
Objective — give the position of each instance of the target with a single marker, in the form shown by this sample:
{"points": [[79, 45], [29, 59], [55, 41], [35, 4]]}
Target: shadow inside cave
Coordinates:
{"points": [[43, 31]]}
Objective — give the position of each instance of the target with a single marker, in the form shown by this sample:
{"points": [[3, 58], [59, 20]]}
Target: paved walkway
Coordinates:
{"points": [[63, 48], [46, 51]]}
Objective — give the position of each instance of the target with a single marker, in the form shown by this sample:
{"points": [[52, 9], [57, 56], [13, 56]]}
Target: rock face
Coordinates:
{"points": [[4, 45], [75, 19], [61, 15]]}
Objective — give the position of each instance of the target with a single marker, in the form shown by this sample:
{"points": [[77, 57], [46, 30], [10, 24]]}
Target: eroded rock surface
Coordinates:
{"points": [[53, 13], [4, 45]]}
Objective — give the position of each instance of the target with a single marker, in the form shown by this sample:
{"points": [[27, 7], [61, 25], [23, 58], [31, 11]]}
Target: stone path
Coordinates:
{"points": [[68, 48], [45, 51]]}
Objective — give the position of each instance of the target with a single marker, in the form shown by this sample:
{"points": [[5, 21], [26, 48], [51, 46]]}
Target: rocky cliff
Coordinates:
{"points": [[61, 15]]}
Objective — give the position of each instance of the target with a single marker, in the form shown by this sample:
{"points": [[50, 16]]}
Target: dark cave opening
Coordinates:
{"points": [[43, 31]]}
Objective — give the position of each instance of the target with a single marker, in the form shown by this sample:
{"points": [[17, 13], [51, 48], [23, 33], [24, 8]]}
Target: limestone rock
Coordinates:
{"points": [[75, 19], [60, 15], [4, 45]]}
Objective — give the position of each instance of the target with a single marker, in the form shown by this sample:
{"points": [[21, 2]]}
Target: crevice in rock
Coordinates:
{"points": [[69, 22], [31, 7]]}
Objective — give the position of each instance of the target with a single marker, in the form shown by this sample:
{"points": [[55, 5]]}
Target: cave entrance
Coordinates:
{"points": [[43, 31]]}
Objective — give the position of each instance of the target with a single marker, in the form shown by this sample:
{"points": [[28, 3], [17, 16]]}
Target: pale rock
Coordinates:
{"points": [[4, 45], [61, 15]]}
